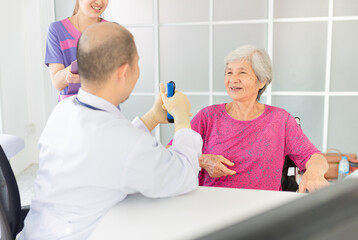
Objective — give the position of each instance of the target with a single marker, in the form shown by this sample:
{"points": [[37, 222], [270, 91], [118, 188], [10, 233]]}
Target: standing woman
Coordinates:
{"points": [[62, 41]]}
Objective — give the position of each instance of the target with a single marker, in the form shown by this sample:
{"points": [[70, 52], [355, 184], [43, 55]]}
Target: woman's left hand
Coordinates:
{"points": [[216, 165], [313, 179]]}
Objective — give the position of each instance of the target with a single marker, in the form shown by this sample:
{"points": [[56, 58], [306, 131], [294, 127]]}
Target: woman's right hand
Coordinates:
{"points": [[71, 77], [61, 76], [216, 165]]}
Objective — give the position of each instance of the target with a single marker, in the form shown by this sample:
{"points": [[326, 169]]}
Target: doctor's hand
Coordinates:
{"points": [[156, 114], [71, 77], [179, 107], [216, 165], [158, 111]]}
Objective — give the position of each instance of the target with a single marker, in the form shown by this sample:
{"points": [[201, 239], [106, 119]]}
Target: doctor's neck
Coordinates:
{"points": [[105, 91]]}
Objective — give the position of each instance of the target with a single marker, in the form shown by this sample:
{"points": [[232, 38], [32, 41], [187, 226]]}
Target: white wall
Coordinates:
{"points": [[23, 75], [64, 8]]}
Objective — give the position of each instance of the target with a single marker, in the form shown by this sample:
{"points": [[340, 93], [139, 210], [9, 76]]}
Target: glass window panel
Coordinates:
{"points": [[345, 7], [144, 40], [197, 103], [184, 57], [221, 99], [136, 106], [299, 56], [344, 74], [301, 8], [227, 10], [166, 133], [228, 38], [183, 10], [130, 12], [309, 109], [343, 124], [64, 9], [263, 99]]}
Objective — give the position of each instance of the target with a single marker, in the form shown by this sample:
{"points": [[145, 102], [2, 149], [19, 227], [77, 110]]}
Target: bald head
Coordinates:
{"points": [[102, 48]]}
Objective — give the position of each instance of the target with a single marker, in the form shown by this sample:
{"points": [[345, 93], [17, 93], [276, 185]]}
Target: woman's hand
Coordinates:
{"points": [[216, 165], [71, 77], [61, 76], [313, 179]]}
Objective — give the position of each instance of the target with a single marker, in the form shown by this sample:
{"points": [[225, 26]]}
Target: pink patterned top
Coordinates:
{"points": [[257, 147]]}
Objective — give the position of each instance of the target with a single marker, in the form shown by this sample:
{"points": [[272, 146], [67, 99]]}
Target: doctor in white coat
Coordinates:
{"points": [[92, 157]]}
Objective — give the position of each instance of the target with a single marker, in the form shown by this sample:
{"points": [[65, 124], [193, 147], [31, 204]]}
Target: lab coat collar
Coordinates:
{"points": [[97, 102]]}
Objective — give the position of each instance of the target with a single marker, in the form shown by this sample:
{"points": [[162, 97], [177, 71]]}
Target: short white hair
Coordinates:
{"points": [[259, 60]]}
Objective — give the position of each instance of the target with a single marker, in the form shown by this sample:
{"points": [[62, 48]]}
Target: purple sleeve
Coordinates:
{"points": [[53, 49], [197, 124], [297, 146]]}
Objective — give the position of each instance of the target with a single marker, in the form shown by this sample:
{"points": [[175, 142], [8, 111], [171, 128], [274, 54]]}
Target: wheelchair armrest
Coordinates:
{"points": [[24, 211]]}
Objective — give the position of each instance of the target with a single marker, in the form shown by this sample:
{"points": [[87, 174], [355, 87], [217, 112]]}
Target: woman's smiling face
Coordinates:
{"points": [[241, 82], [93, 8]]}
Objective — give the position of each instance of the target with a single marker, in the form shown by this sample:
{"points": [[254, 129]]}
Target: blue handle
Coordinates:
{"points": [[171, 91]]}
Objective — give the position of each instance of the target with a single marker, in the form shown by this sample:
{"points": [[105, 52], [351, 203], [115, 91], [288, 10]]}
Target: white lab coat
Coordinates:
{"points": [[90, 160]]}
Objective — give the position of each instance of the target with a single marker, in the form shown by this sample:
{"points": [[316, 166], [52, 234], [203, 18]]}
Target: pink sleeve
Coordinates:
{"points": [[297, 146], [198, 123]]}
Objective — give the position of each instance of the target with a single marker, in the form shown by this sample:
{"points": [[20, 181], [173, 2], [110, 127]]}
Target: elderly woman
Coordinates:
{"points": [[245, 142]]}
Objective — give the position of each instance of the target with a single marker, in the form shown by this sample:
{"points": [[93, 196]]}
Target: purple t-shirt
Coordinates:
{"points": [[61, 46], [257, 147]]}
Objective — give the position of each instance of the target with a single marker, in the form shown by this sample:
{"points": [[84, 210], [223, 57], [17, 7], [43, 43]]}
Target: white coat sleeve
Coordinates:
{"points": [[155, 171]]}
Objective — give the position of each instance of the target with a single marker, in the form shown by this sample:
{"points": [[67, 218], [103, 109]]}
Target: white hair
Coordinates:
{"points": [[259, 60]]}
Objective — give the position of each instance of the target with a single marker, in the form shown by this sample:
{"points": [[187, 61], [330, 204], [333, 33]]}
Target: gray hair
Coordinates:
{"points": [[259, 60]]}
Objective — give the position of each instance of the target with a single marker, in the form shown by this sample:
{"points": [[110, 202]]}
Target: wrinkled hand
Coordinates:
{"points": [[216, 165], [71, 77], [312, 181]]}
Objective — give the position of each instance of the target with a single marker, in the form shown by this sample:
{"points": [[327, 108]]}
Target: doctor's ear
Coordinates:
{"points": [[122, 71]]}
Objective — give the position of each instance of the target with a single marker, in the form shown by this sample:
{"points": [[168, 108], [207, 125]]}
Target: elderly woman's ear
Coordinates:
{"points": [[261, 84]]}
